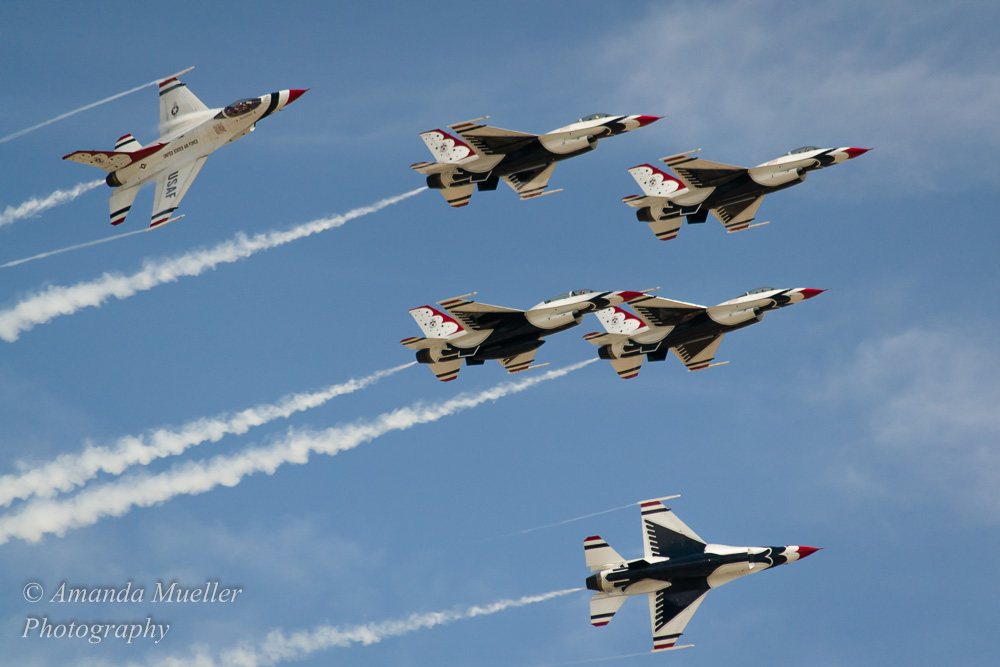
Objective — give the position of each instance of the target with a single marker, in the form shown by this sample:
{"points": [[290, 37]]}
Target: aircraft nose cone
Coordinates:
{"points": [[855, 152], [808, 293], [296, 93], [647, 120], [807, 551]]}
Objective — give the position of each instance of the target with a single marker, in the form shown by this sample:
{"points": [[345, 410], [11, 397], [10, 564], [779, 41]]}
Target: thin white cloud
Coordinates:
{"points": [[40, 517], [747, 81], [54, 301], [929, 398], [279, 647], [69, 471], [34, 206]]}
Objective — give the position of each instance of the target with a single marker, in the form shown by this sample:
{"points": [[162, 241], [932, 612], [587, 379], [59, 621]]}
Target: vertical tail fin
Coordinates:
{"points": [[603, 607], [436, 324], [655, 182], [446, 148], [619, 321]]}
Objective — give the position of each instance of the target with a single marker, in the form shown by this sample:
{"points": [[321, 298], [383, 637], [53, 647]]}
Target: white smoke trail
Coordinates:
{"points": [[278, 647], [69, 471], [77, 247], [34, 206], [25, 131], [55, 300], [40, 517]]}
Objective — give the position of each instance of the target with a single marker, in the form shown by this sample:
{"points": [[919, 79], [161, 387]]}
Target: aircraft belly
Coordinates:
{"points": [[701, 328], [508, 348], [532, 156], [730, 571], [646, 586]]}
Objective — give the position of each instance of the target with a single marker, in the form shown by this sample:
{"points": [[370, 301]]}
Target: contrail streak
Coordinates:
{"points": [[25, 131], [278, 647], [69, 471], [76, 247], [56, 300], [40, 517], [34, 206], [562, 523]]}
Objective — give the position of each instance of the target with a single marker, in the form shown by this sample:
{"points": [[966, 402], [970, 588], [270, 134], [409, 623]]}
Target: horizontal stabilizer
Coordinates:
{"points": [[603, 338], [628, 367], [599, 555], [446, 371], [121, 203], [603, 607]]}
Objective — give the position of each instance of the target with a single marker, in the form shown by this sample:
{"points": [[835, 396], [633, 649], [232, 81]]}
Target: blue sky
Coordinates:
{"points": [[863, 421]]}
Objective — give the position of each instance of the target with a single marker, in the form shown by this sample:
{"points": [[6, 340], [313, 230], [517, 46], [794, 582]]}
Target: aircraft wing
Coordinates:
{"points": [[171, 188], [699, 354], [697, 173], [666, 536], [669, 614], [737, 217], [479, 316], [660, 312], [488, 140], [531, 183], [176, 101]]}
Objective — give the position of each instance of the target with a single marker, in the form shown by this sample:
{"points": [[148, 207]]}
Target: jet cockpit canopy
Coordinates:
{"points": [[567, 295], [759, 290], [803, 149], [241, 107]]}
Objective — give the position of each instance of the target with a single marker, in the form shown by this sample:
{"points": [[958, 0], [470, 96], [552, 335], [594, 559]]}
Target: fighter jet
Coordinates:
{"points": [[481, 155], [690, 331], [677, 571], [474, 332], [731, 194], [189, 133]]}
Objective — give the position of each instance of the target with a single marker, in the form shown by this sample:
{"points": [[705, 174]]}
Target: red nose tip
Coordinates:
{"points": [[808, 293], [296, 93], [807, 551], [854, 152], [646, 120]]}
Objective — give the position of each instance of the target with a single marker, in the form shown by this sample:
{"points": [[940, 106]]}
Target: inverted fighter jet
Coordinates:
{"points": [[481, 155], [189, 133], [677, 571], [690, 331], [731, 194], [474, 332]]}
